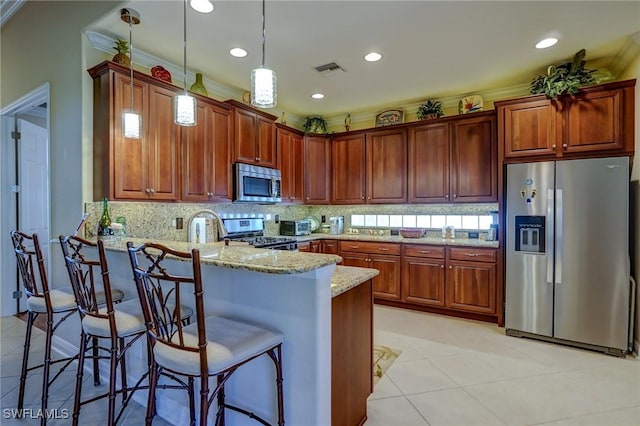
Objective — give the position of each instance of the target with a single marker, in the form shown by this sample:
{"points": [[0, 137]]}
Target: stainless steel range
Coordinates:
{"points": [[251, 230]]}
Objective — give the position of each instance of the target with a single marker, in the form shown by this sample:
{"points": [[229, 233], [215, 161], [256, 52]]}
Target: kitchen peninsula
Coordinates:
{"points": [[300, 294]]}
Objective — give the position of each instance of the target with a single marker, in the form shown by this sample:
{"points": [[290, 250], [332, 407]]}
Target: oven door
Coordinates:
{"points": [[257, 184]]}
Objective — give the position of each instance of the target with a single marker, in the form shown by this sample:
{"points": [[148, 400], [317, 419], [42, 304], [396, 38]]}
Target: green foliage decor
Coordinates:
{"points": [[430, 109], [564, 79], [121, 46], [315, 125]]}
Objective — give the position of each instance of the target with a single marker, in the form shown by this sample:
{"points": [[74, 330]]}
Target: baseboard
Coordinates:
{"points": [[636, 348]]}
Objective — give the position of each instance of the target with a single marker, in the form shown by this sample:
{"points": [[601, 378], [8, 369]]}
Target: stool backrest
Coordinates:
{"points": [[88, 273], [29, 257], [161, 294]]}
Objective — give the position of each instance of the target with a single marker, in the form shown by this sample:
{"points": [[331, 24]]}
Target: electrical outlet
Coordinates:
{"points": [[323, 219], [173, 223], [276, 218], [179, 223]]}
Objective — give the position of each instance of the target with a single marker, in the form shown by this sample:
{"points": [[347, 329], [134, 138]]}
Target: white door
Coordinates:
{"points": [[33, 175]]}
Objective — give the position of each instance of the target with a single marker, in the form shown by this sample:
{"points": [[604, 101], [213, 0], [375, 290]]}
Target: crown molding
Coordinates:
{"points": [[8, 8], [629, 51]]}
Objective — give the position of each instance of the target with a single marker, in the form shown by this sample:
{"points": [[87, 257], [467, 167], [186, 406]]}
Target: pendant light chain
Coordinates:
{"points": [[131, 58], [264, 39], [184, 27]]}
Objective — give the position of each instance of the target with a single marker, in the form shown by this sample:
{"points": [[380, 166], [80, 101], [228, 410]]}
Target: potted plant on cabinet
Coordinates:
{"points": [[122, 47], [430, 109], [564, 79]]}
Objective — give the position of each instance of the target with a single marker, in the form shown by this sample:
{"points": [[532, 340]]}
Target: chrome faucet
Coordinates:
{"points": [[222, 232]]}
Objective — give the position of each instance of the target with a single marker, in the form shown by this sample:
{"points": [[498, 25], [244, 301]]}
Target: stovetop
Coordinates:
{"points": [[251, 231], [262, 241]]}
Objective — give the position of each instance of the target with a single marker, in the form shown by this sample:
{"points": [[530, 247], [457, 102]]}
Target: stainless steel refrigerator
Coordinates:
{"points": [[567, 252]]}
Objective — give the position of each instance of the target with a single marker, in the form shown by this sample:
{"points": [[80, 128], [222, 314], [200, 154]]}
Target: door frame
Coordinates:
{"points": [[8, 199]]}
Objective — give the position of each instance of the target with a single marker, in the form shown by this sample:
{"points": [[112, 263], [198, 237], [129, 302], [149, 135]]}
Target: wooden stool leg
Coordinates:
{"points": [[151, 400], [96, 368], [79, 375], [123, 368], [192, 402], [25, 361], [47, 366]]}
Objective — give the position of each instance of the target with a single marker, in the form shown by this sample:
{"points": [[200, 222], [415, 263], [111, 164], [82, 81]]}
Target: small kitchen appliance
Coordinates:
{"points": [[257, 184], [295, 227], [336, 225]]}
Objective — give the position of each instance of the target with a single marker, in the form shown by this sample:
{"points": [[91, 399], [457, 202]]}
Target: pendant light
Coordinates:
{"points": [[131, 122], [184, 106], [263, 80]]}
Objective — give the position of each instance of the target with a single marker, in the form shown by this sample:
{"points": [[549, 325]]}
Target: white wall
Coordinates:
{"points": [[43, 42]]}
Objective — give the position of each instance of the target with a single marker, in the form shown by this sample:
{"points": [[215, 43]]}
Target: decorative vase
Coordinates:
{"points": [[198, 86], [122, 59]]}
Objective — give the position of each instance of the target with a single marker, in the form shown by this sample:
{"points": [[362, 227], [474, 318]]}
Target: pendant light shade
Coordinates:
{"points": [[131, 121], [264, 87], [264, 82], [184, 106]]}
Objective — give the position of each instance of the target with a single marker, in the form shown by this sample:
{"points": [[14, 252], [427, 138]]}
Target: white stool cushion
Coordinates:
{"points": [[61, 301], [229, 342], [129, 320]]}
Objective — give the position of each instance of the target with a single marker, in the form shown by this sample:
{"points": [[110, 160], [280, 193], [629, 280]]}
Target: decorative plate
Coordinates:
{"points": [[389, 117], [315, 223], [469, 104]]}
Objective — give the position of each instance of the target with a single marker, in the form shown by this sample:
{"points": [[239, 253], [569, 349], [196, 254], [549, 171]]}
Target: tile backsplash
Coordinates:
{"points": [[156, 220]]}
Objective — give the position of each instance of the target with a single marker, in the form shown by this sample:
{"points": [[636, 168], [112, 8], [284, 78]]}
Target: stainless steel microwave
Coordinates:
{"points": [[257, 184]]}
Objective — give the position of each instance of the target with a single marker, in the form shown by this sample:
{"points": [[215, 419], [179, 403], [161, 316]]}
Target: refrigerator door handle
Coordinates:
{"points": [[549, 225], [559, 237]]}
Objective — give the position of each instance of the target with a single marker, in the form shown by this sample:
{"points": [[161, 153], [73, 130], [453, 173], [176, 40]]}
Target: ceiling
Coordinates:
{"points": [[431, 49]]}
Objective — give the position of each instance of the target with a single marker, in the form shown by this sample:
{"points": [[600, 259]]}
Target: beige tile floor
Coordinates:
{"points": [[459, 372], [450, 372]]}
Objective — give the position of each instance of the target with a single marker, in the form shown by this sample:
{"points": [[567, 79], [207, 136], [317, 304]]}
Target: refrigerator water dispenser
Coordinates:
{"points": [[530, 232]]}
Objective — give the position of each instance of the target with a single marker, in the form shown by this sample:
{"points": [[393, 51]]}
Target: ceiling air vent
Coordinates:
{"points": [[329, 68]]}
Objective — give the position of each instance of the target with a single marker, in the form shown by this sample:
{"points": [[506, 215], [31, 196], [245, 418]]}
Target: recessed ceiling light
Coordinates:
{"points": [[547, 42], [317, 96], [372, 57], [202, 6], [238, 52]]}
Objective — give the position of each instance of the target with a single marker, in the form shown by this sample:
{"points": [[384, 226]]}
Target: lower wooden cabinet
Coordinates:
{"points": [[423, 273], [471, 286], [385, 257]]}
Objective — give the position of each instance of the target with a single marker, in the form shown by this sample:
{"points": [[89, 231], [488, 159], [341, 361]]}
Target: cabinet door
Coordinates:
{"points": [[474, 161], [130, 156], [316, 246], [195, 175], [471, 286], [355, 259], [162, 145], [348, 169], [386, 153], [317, 160], [304, 247], [218, 134], [329, 246], [265, 143], [423, 281], [387, 284], [290, 162], [429, 163], [593, 122], [245, 136], [528, 128]]}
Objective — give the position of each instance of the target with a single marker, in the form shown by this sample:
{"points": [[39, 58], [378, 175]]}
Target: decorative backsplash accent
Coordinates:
{"points": [[156, 220]]}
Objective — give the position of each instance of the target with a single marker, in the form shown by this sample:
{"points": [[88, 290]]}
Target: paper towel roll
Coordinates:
{"points": [[199, 230]]}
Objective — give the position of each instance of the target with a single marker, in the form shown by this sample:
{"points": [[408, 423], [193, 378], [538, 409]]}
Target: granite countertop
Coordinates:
{"points": [[242, 256], [347, 277], [469, 242]]}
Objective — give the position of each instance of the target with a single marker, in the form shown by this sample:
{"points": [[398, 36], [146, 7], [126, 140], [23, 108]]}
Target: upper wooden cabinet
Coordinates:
{"points": [[597, 121], [134, 169], [349, 170], [206, 155], [370, 167], [317, 176], [291, 163], [254, 136], [453, 160]]}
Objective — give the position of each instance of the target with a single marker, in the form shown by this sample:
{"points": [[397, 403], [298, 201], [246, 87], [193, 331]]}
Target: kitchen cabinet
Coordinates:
{"points": [[348, 169], [384, 257], [206, 154], [291, 163], [370, 167], [423, 275], [330, 247], [471, 280], [453, 160], [254, 136], [317, 176], [597, 121], [134, 169]]}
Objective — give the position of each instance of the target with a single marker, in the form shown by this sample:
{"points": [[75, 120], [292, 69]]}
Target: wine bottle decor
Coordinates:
{"points": [[104, 225]]}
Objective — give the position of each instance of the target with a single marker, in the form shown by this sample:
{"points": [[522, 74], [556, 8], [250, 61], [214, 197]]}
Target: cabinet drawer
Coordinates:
{"points": [[370, 247], [472, 254], [416, 250]]}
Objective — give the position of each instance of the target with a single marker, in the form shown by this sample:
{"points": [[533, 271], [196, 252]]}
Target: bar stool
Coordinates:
{"points": [[42, 300], [213, 346]]}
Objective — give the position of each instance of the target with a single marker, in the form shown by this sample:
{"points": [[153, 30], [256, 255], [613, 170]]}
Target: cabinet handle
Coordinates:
{"points": [[383, 249], [153, 191], [472, 254], [564, 145], [146, 190], [553, 146], [455, 195], [363, 197], [354, 247], [450, 267], [424, 251], [369, 197], [446, 196], [441, 266]]}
